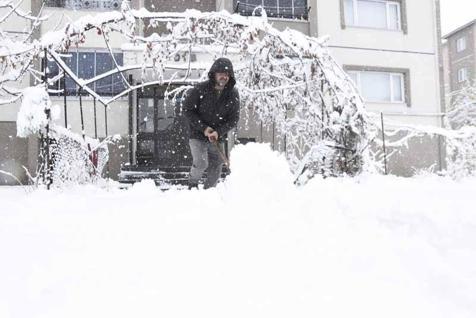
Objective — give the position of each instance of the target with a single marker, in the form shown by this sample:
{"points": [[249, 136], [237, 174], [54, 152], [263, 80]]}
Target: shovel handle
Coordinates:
{"points": [[222, 155]]}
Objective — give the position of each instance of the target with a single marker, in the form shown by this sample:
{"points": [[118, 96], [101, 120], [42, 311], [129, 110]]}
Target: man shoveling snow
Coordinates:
{"points": [[212, 109]]}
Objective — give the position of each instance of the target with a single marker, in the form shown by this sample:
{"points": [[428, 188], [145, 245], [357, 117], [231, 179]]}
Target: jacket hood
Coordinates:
{"points": [[222, 65]]}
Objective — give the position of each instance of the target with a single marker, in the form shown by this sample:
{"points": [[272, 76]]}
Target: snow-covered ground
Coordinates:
{"points": [[256, 246]]}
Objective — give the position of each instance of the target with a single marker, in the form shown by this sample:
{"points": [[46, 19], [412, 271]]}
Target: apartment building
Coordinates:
{"points": [[390, 49], [459, 54]]}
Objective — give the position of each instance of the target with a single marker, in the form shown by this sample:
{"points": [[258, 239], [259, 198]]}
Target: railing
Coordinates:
{"points": [[85, 4], [294, 12]]}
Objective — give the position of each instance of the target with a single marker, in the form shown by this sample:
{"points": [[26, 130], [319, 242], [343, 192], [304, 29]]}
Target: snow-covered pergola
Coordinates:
{"points": [[284, 77]]}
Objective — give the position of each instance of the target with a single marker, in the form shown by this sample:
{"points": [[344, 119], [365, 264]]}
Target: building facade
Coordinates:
{"points": [[459, 54], [390, 49]]}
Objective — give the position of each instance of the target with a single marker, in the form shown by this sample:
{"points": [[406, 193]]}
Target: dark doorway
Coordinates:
{"points": [[162, 130], [162, 149]]}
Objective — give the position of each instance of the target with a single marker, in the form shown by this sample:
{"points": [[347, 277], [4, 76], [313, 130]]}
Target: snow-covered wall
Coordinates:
{"points": [[13, 154]]}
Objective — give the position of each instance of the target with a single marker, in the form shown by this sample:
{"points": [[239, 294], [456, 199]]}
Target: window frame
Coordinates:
{"points": [[401, 25], [461, 44], [391, 76], [463, 75], [61, 91], [399, 15]]}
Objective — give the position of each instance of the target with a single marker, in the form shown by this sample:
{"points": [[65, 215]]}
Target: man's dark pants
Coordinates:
{"points": [[205, 157]]}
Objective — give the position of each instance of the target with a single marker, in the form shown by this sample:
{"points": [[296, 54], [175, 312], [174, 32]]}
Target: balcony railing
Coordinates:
{"points": [[288, 12], [85, 4]]}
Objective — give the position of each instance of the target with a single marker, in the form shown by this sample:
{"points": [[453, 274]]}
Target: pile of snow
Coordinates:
{"points": [[31, 117], [256, 169], [256, 246]]}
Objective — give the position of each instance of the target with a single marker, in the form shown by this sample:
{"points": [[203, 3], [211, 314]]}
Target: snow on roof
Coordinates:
{"points": [[459, 29]]}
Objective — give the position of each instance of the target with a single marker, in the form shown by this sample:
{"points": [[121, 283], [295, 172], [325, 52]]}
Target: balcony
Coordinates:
{"points": [[85, 4], [284, 9]]}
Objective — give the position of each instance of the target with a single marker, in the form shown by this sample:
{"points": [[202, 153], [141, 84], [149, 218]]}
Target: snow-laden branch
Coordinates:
{"points": [[17, 53], [72, 75], [14, 8]]}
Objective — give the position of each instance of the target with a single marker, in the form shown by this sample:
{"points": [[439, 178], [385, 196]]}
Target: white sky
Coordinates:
{"points": [[455, 13]]}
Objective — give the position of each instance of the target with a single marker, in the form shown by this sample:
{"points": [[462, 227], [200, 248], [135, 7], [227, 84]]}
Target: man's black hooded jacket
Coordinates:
{"points": [[204, 107]]}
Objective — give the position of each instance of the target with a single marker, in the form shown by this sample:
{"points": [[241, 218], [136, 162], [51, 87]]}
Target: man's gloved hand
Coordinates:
{"points": [[207, 131], [213, 136]]}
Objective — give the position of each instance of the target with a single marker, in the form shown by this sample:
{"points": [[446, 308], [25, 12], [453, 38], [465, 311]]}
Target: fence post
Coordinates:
{"points": [[95, 119], [384, 148], [46, 146], [65, 102], [131, 112], [107, 133], [83, 131]]}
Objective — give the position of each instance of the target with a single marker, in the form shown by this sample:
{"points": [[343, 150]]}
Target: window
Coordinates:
{"points": [[85, 4], [87, 65], [378, 14], [290, 9], [165, 114], [380, 86], [462, 75], [146, 115], [461, 44]]}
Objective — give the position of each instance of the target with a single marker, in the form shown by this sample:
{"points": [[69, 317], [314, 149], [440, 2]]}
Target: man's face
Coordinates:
{"points": [[222, 79]]}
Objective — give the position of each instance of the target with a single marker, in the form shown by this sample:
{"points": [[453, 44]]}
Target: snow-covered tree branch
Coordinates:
{"points": [[17, 53]]}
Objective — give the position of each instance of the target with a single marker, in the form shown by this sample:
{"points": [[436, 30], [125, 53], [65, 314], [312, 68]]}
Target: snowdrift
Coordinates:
{"points": [[256, 246]]}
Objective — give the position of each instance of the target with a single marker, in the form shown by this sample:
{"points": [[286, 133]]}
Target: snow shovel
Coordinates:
{"points": [[222, 155]]}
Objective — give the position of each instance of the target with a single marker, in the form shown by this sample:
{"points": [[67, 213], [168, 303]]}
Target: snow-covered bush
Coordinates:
{"points": [[462, 111], [461, 152], [461, 118], [31, 118]]}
